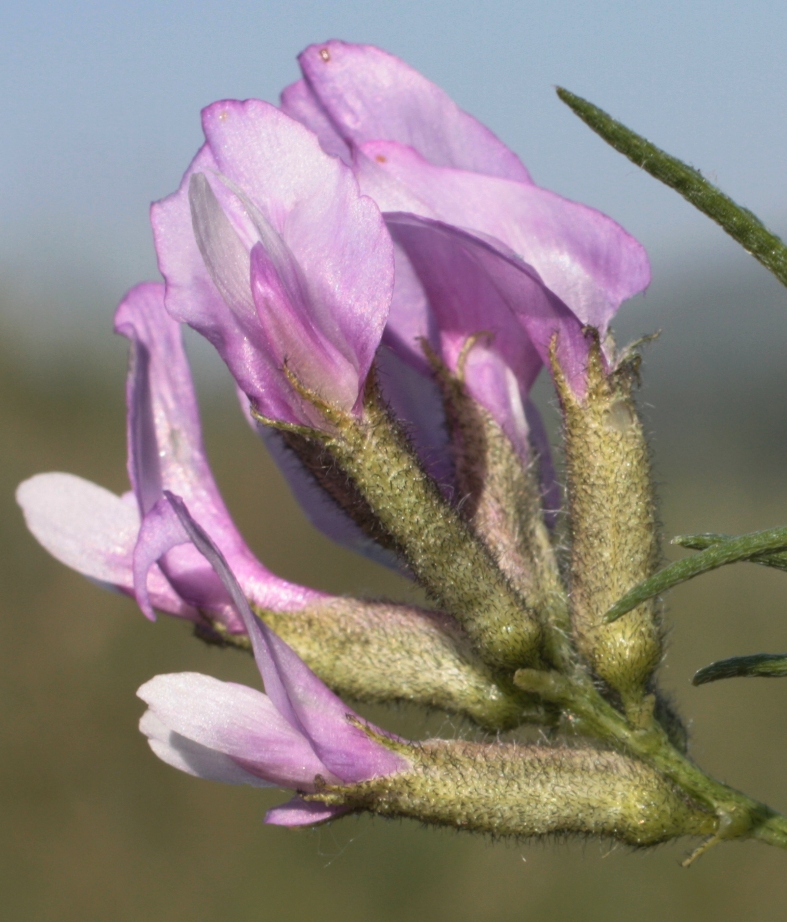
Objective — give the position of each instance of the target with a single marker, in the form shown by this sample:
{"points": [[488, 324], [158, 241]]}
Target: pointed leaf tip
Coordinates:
{"points": [[743, 226], [762, 665], [755, 545]]}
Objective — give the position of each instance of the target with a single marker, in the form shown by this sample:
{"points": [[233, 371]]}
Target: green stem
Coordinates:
{"points": [[739, 815], [738, 222]]}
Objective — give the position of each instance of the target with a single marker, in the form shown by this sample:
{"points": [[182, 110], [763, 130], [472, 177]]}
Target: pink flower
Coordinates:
{"points": [[297, 731], [106, 536], [415, 152], [271, 252]]}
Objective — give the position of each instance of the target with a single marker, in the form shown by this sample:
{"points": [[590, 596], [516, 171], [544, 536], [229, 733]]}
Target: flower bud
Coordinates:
{"points": [[613, 524]]}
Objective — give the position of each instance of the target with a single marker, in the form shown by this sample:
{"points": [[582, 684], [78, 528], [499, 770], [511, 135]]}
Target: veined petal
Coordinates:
{"points": [[369, 94]]}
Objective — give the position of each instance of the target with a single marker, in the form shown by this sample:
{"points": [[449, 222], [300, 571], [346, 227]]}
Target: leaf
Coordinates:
{"points": [[763, 665], [743, 226], [700, 542], [731, 550]]}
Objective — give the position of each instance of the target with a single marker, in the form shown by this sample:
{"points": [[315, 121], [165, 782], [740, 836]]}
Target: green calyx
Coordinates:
{"points": [[612, 524], [401, 507], [521, 635], [522, 791]]}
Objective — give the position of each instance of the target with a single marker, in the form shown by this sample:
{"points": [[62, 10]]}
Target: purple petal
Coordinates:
{"points": [[166, 451], [298, 101], [368, 94], [475, 287], [159, 542], [225, 256], [294, 340], [346, 749], [299, 812], [191, 293], [336, 237], [582, 256], [266, 180], [92, 531], [235, 721], [293, 688]]}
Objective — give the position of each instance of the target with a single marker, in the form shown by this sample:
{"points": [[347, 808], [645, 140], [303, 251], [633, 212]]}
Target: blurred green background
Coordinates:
{"points": [[93, 827]]}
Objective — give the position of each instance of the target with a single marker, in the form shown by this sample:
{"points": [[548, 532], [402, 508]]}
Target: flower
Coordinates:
{"points": [[292, 736], [415, 152], [270, 251], [108, 537]]}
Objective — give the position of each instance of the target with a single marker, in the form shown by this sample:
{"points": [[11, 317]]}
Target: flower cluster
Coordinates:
{"points": [[385, 281]]}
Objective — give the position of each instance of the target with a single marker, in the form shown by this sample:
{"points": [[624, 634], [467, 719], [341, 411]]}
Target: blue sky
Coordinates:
{"points": [[101, 111]]}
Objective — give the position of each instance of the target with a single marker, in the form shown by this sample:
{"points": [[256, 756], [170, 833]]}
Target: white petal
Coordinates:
{"points": [[81, 524], [192, 757], [236, 721]]}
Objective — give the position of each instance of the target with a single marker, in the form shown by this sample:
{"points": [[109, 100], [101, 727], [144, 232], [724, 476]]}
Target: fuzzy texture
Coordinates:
{"points": [[455, 566], [614, 541], [385, 653], [510, 790], [502, 501], [297, 732]]}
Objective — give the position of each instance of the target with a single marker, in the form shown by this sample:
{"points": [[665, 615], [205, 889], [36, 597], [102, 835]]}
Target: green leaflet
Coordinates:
{"points": [[764, 665], [700, 542], [743, 226], [743, 547]]}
